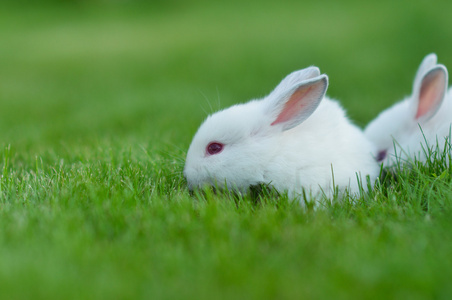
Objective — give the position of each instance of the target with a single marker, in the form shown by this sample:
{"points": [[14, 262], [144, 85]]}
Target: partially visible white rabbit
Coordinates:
{"points": [[293, 139], [406, 130]]}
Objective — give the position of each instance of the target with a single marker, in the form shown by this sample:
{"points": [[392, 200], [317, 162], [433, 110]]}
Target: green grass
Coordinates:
{"points": [[99, 102]]}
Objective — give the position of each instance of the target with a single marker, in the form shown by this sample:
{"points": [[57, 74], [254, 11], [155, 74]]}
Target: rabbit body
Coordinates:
{"points": [[263, 144]]}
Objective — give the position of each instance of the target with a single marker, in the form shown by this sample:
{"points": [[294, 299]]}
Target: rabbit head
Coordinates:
{"points": [[394, 129], [233, 147]]}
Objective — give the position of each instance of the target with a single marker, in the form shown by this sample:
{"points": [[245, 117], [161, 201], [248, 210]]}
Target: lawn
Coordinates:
{"points": [[99, 102]]}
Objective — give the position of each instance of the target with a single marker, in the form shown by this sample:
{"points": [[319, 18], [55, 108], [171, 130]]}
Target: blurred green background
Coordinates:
{"points": [[74, 72]]}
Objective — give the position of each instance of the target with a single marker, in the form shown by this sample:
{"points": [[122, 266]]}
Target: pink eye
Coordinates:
{"points": [[214, 148], [381, 155]]}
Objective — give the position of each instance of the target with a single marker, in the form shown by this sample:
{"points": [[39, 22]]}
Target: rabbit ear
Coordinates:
{"points": [[291, 107], [295, 78], [428, 63], [300, 75], [430, 92]]}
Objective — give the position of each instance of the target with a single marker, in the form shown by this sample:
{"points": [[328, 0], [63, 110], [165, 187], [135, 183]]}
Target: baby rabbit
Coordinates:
{"points": [[294, 139], [422, 121]]}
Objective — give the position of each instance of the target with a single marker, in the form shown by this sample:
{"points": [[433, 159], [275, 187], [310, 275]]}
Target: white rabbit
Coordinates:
{"points": [[290, 139], [406, 130]]}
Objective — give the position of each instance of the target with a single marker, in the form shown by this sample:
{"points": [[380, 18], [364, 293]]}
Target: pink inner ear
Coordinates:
{"points": [[293, 106], [430, 94]]}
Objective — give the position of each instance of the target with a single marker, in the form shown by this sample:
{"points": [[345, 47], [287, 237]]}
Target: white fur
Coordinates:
{"points": [[304, 152], [404, 135]]}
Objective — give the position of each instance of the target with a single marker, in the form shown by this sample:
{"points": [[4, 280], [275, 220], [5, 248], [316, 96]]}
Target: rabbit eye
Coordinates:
{"points": [[381, 155], [214, 148]]}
